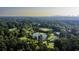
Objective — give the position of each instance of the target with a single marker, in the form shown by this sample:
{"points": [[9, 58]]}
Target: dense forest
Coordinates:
{"points": [[52, 33]]}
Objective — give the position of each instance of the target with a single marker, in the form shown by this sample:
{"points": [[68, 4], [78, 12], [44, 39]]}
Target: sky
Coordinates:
{"points": [[39, 11]]}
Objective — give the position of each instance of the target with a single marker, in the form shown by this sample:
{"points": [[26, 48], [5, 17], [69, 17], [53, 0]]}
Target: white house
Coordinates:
{"points": [[39, 36]]}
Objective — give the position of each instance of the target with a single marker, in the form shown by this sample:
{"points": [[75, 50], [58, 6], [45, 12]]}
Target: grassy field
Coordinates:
{"points": [[13, 29], [49, 45], [45, 29], [52, 37]]}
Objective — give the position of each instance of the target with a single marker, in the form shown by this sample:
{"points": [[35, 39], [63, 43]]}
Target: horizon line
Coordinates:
{"points": [[43, 16]]}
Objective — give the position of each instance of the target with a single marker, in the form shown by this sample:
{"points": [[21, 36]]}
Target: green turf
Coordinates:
{"points": [[52, 37], [45, 29], [13, 29]]}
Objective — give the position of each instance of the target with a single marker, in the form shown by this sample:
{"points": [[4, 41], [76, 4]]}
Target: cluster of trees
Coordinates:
{"points": [[16, 34], [69, 35]]}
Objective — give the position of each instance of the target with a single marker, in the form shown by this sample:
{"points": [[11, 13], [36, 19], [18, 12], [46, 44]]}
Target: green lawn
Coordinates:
{"points": [[52, 37], [49, 45], [45, 29], [12, 29]]}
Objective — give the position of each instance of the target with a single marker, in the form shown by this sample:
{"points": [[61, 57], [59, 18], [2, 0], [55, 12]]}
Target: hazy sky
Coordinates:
{"points": [[39, 11]]}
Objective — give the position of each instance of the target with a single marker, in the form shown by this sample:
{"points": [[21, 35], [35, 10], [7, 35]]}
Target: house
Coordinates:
{"points": [[39, 36], [57, 33], [36, 35]]}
